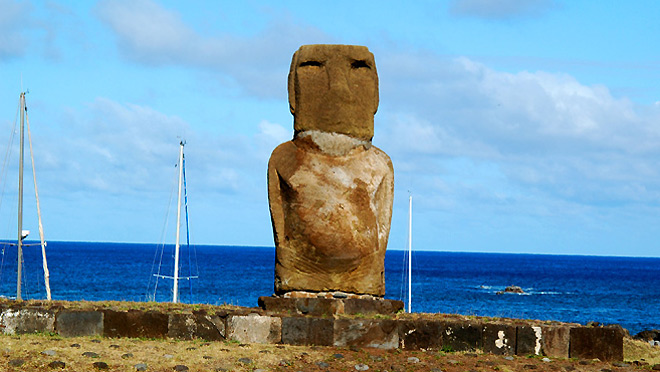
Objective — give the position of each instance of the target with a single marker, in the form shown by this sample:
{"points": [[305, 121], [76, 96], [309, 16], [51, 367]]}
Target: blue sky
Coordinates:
{"points": [[518, 126]]}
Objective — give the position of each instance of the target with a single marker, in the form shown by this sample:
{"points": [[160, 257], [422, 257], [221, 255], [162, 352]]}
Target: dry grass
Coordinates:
{"points": [[640, 350], [122, 354]]}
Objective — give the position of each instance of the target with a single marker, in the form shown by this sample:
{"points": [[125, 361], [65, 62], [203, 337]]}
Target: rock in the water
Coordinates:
{"points": [[90, 354], [413, 360], [361, 367], [127, 355], [512, 289], [49, 352], [140, 367], [323, 364], [57, 364], [330, 191], [245, 360], [180, 368]]}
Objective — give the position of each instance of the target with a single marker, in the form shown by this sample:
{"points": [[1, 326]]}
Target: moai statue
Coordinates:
{"points": [[330, 191]]}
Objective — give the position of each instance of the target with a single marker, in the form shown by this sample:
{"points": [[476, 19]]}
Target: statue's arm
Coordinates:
{"points": [[280, 157], [385, 198]]}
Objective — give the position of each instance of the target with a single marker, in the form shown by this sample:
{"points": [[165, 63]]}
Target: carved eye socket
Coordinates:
{"points": [[360, 64], [311, 63]]}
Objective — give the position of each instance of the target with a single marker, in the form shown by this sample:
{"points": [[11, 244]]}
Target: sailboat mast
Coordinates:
{"points": [[410, 253], [20, 203], [175, 295], [44, 261]]}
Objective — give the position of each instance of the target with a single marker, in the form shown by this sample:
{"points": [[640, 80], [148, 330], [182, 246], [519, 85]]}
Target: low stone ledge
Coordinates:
{"points": [[329, 306], [253, 325]]}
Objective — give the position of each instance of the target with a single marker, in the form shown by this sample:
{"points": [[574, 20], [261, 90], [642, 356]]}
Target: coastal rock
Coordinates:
{"points": [[330, 191], [648, 335], [511, 289]]}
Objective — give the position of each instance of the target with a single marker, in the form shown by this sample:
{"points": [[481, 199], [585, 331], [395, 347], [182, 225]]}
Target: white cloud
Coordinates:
{"points": [[530, 138], [501, 9], [13, 14], [151, 34]]}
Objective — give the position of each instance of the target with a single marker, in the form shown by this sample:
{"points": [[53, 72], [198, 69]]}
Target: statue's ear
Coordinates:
{"points": [[292, 83], [377, 97]]}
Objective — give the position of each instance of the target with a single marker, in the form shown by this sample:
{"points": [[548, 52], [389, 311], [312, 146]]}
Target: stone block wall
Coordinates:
{"points": [[253, 325]]}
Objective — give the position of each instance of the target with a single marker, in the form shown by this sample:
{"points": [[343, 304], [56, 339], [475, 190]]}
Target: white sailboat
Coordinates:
{"points": [[175, 277], [22, 234]]}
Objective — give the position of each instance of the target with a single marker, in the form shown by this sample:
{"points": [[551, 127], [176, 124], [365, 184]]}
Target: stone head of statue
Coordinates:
{"points": [[334, 88]]}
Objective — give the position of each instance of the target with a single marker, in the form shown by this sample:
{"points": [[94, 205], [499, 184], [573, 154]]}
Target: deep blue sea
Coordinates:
{"points": [[610, 290]]}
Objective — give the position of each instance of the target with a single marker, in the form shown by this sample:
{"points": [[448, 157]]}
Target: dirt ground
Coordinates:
{"points": [[53, 353]]}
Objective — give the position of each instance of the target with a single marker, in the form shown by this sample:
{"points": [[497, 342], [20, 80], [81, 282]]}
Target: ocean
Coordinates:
{"points": [[609, 290]]}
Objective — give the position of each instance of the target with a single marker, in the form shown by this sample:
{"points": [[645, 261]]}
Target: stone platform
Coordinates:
{"points": [[288, 325], [330, 306]]}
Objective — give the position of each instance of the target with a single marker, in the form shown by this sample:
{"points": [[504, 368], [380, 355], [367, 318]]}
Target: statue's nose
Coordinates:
{"points": [[338, 81]]}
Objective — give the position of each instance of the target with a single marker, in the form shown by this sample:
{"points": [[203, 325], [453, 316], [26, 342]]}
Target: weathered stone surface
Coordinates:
{"points": [[134, 323], [327, 306], [254, 329], [555, 341], [364, 306], [26, 320], [420, 334], [79, 323], [499, 339], [304, 306], [307, 331], [603, 343], [463, 336], [330, 191], [192, 326], [378, 333], [334, 88], [528, 340]]}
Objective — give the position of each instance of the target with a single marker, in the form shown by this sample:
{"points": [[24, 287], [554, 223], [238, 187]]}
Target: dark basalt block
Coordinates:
{"points": [[528, 340], [603, 343], [307, 331], [463, 336], [555, 341], [499, 339], [134, 323], [79, 323], [378, 333], [420, 334], [194, 326]]}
